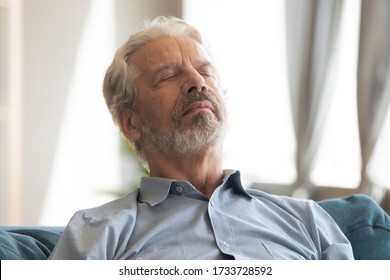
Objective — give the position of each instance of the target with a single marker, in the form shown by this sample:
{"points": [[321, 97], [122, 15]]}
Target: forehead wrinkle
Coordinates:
{"points": [[156, 55]]}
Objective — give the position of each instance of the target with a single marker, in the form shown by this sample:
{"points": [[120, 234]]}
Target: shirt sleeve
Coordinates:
{"points": [[98, 233]]}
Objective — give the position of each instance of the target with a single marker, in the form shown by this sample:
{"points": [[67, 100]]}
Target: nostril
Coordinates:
{"points": [[195, 89], [192, 90], [204, 88]]}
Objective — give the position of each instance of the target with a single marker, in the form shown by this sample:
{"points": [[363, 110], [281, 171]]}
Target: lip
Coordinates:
{"points": [[198, 105]]}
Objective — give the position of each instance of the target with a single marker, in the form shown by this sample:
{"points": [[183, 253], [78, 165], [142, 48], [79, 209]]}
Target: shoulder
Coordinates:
{"points": [[94, 233], [305, 210], [284, 202], [124, 206]]}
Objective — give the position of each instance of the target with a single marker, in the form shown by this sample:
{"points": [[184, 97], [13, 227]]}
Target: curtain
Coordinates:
{"points": [[373, 78], [312, 28]]}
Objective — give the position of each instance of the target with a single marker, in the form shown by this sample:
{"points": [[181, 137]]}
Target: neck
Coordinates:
{"points": [[203, 170]]}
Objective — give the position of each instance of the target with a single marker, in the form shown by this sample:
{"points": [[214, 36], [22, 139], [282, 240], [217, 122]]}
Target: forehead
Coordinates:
{"points": [[169, 50]]}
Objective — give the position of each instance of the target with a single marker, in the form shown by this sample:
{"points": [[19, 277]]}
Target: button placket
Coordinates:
{"points": [[221, 227]]}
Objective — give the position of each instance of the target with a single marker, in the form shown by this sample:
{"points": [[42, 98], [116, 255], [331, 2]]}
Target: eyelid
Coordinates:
{"points": [[166, 74], [166, 77], [206, 69], [206, 73]]}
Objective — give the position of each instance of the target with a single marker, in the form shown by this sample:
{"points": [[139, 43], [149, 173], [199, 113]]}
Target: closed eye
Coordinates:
{"points": [[168, 77], [206, 74], [165, 73], [206, 70]]}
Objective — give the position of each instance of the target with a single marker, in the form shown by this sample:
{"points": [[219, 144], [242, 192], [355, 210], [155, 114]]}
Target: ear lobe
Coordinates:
{"points": [[129, 126]]}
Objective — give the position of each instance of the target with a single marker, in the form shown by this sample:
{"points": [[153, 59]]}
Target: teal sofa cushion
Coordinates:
{"points": [[28, 243], [364, 223]]}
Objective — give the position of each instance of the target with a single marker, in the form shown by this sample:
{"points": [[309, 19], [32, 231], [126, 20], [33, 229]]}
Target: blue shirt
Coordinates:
{"points": [[170, 219]]}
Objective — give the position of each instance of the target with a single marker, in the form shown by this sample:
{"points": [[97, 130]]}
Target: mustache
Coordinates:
{"points": [[194, 97]]}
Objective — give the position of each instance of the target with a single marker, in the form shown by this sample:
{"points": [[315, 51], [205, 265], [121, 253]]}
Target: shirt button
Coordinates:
{"points": [[212, 203], [225, 244], [179, 189]]}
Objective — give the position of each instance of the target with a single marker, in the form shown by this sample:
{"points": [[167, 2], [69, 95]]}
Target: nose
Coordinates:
{"points": [[194, 82]]}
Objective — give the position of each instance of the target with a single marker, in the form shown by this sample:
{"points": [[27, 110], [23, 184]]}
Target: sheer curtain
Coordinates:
{"points": [[312, 29], [373, 79]]}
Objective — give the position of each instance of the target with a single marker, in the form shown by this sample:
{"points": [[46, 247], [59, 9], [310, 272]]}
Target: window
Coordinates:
{"points": [[247, 40], [339, 162], [380, 162], [248, 45]]}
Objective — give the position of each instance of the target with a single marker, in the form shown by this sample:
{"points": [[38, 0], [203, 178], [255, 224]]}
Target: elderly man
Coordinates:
{"points": [[163, 92]]}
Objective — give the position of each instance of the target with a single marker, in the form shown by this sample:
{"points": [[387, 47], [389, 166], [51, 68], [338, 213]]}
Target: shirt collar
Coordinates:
{"points": [[233, 180], [154, 190]]}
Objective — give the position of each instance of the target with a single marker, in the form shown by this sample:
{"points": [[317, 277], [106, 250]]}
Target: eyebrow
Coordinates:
{"points": [[154, 75], [202, 63], [197, 63], [164, 67]]}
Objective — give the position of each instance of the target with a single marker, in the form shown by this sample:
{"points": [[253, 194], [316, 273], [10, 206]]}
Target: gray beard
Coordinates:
{"points": [[206, 131]]}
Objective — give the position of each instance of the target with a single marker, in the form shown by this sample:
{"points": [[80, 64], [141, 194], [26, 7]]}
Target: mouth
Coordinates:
{"points": [[198, 106]]}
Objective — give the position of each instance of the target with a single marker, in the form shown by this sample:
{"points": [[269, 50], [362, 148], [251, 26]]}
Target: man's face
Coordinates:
{"points": [[179, 103]]}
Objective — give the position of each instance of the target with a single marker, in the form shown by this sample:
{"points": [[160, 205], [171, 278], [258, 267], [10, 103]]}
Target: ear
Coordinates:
{"points": [[129, 126]]}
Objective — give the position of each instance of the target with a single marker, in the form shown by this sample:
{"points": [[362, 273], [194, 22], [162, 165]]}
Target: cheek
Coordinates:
{"points": [[158, 112], [219, 95], [216, 87]]}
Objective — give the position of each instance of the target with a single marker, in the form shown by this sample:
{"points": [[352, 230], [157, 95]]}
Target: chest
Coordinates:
{"points": [[185, 228]]}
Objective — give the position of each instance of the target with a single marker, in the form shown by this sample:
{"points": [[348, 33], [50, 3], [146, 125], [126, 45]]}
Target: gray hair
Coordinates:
{"points": [[118, 84]]}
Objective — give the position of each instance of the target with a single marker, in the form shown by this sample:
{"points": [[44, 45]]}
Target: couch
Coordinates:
{"points": [[363, 221]]}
